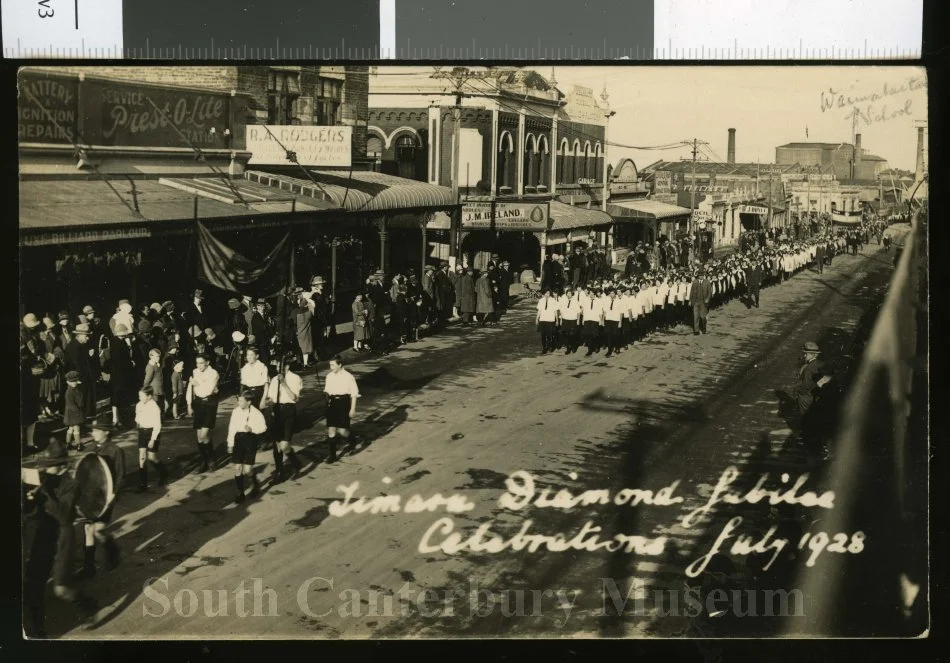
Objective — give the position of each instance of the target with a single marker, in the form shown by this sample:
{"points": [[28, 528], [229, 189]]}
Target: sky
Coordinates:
{"points": [[768, 106]]}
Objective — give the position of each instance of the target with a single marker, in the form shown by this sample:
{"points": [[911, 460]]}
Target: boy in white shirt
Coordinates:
{"points": [[593, 321], [547, 320], [148, 421], [569, 313], [245, 430], [613, 316]]}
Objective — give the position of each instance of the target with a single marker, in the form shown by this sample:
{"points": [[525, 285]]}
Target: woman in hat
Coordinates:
{"points": [[414, 307], [122, 316], [121, 370], [303, 320], [73, 415], [50, 383], [361, 331], [397, 321], [484, 307], [31, 367]]}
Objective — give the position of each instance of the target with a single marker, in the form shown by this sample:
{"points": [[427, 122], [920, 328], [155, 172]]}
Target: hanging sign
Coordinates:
{"points": [[313, 145], [753, 209], [508, 216]]}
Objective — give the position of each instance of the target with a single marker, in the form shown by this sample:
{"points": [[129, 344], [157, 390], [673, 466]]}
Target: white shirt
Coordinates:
{"points": [[203, 383], [630, 308], [241, 418], [288, 389], [660, 293], [591, 310], [569, 307], [547, 309], [254, 375], [341, 384], [149, 415], [614, 309]]}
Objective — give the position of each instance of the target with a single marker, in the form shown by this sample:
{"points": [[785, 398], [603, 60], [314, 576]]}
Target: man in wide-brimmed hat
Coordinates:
{"points": [[318, 301], [48, 536], [195, 313], [260, 328]]}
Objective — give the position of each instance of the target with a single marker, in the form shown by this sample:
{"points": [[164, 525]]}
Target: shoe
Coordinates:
{"points": [[255, 490], [239, 498], [278, 478], [695, 333], [202, 468], [113, 556]]}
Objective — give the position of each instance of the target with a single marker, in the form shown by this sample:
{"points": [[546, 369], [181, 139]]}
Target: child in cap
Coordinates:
{"points": [[178, 387], [73, 415], [154, 377]]}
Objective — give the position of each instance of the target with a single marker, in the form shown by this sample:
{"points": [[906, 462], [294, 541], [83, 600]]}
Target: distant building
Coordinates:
{"points": [[848, 161]]}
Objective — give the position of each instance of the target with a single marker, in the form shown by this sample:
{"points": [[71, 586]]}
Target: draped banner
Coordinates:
{"points": [[846, 218], [222, 267]]}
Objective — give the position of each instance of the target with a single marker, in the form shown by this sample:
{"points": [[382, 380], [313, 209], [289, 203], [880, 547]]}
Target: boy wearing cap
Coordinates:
{"points": [[73, 415]]}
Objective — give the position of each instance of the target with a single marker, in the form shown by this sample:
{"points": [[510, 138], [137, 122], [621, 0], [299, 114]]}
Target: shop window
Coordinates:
{"points": [[283, 90], [329, 98]]}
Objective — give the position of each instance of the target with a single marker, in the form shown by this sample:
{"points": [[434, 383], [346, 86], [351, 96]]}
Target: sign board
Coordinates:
{"points": [[508, 216], [663, 181], [701, 215], [314, 145], [704, 188], [56, 109], [626, 187], [587, 181], [753, 209]]}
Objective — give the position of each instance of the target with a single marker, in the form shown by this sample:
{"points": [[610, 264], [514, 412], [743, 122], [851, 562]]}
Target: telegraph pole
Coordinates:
{"points": [[457, 77]]}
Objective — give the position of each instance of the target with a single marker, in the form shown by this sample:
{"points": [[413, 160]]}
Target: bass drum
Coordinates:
{"points": [[96, 491]]}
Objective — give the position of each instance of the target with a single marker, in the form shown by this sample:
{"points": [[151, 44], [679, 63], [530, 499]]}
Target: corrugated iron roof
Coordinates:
{"points": [[566, 217], [646, 209]]}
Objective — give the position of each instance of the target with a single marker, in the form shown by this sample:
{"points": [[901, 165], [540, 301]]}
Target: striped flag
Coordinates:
{"points": [[222, 267]]}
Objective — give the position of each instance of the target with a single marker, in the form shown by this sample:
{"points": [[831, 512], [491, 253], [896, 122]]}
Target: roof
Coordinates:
{"points": [[567, 217], [362, 191], [66, 204], [823, 146], [646, 209]]}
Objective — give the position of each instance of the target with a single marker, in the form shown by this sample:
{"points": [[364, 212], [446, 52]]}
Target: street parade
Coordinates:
{"points": [[323, 386]]}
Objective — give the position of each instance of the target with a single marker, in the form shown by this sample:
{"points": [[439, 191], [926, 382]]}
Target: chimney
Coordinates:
{"points": [[857, 154], [731, 149], [921, 166]]}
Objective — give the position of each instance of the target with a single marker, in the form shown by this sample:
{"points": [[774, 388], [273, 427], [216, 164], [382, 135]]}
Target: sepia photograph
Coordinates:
{"points": [[422, 352]]}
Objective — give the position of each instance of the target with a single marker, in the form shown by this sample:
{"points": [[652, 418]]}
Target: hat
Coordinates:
{"points": [[81, 329], [30, 321], [195, 331], [101, 425], [811, 346], [209, 332], [429, 268], [155, 307], [317, 280], [234, 304], [125, 307], [48, 322], [158, 324], [260, 301], [123, 301], [88, 310], [237, 336], [73, 376], [63, 316], [296, 290], [143, 326], [169, 306], [197, 293], [379, 272], [121, 330], [444, 263], [55, 454]]}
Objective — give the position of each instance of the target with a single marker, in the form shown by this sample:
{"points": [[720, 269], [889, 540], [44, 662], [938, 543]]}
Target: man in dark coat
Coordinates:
{"points": [[123, 380], [381, 305], [195, 315], [700, 292], [261, 330], [575, 266], [465, 295], [505, 280], [80, 356], [321, 323], [444, 293], [753, 281], [547, 269], [820, 257]]}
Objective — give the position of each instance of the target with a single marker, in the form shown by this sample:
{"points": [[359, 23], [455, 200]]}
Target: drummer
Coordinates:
{"points": [[95, 529]]}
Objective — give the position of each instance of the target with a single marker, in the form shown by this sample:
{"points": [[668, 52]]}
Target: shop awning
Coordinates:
{"points": [[650, 210], [567, 217], [55, 212], [363, 192], [258, 197]]}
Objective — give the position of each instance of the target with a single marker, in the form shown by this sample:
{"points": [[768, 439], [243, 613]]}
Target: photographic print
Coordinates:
{"points": [[489, 351]]}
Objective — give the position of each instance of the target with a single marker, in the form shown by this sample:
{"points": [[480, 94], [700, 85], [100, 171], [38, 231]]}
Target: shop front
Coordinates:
{"points": [[646, 221], [511, 230]]}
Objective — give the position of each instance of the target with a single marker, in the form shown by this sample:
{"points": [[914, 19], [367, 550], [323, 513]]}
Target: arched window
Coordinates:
{"points": [[530, 169], [506, 157], [543, 158], [374, 148], [585, 168], [598, 162], [406, 147], [563, 154]]}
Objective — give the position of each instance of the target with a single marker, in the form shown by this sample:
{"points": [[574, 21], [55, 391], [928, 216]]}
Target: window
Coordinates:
{"points": [[329, 97], [283, 89], [374, 148], [405, 148]]}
